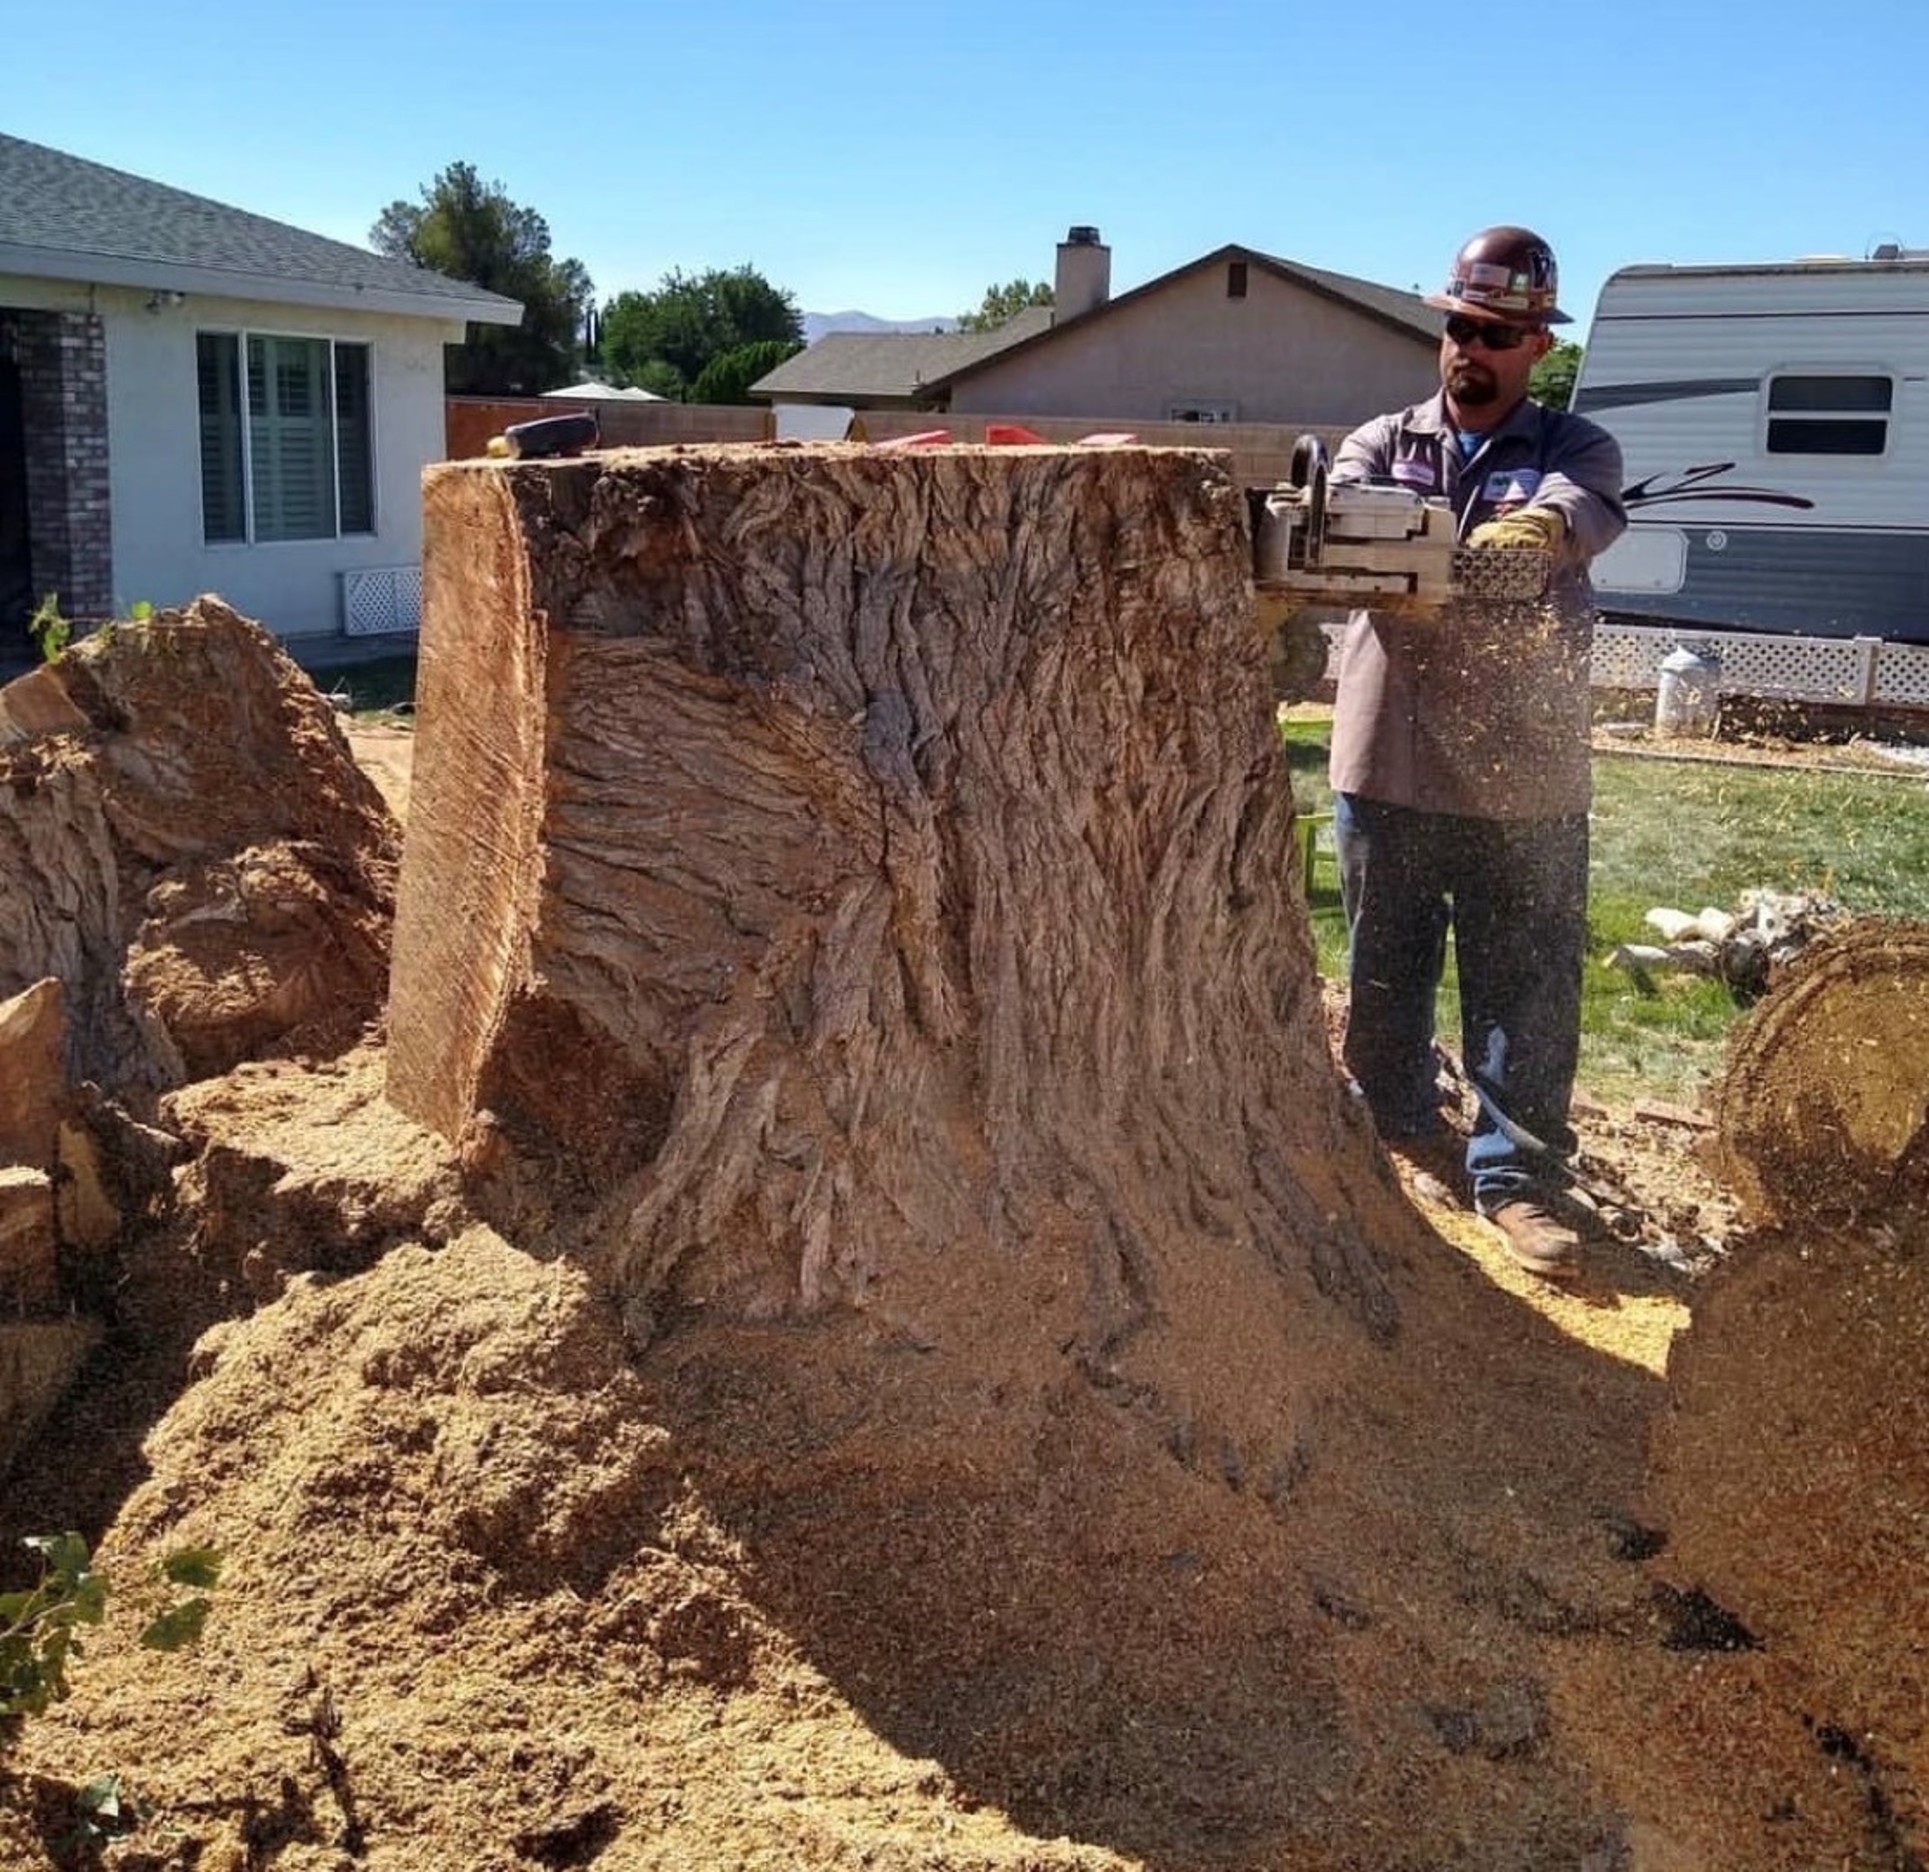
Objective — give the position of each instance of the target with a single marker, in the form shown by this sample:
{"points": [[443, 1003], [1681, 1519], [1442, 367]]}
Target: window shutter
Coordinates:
{"points": [[217, 357], [293, 456], [354, 442]]}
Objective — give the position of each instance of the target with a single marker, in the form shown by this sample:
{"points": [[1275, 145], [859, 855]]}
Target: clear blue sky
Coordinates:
{"points": [[900, 158]]}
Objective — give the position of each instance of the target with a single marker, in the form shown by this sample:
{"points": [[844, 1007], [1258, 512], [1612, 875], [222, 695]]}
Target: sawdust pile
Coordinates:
{"points": [[500, 1595]]}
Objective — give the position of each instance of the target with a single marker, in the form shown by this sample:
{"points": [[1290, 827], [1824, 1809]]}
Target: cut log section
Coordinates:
{"points": [[854, 874], [1821, 1111]]}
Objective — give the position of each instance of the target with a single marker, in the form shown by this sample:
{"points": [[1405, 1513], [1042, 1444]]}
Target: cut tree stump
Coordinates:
{"points": [[867, 878], [1823, 1110]]}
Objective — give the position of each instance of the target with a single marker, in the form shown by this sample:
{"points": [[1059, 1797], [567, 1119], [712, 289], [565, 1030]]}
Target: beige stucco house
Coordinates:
{"points": [[1236, 336], [193, 398]]}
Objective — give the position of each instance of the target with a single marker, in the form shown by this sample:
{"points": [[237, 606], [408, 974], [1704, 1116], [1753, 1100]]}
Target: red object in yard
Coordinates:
{"points": [[1005, 435], [925, 438]]}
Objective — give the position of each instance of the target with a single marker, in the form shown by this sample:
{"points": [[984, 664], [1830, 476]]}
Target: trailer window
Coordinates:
{"points": [[1817, 415]]}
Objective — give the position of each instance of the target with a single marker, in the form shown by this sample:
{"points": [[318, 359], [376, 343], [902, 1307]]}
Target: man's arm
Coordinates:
{"points": [[1582, 482], [1367, 454]]}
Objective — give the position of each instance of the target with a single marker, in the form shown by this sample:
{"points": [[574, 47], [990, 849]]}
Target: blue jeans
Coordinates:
{"points": [[1514, 893]]}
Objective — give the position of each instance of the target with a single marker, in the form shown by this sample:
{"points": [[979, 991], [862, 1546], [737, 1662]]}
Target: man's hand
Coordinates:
{"points": [[1537, 529]]}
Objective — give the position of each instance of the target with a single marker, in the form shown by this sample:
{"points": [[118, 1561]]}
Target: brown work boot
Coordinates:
{"points": [[1539, 1241]]}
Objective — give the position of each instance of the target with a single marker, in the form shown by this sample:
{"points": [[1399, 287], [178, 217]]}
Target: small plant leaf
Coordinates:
{"points": [[178, 1627], [196, 1567], [64, 1555], [89, 1599]]}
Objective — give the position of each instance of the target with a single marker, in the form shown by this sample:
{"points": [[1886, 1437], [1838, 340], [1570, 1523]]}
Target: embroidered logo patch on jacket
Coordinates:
{"points": [[1510, 487]]}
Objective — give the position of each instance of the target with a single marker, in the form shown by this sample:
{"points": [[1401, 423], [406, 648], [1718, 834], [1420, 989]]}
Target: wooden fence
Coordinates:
{"points": [[1261, 452]]}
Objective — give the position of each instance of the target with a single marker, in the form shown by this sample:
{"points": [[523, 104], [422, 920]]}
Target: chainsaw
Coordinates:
{"points": [[1323, 548]]}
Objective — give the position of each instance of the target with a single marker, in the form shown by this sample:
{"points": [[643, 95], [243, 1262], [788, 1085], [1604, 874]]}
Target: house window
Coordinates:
{"points": [[1813, 414], [1235, 279], [286, 440], [1202, 412]]}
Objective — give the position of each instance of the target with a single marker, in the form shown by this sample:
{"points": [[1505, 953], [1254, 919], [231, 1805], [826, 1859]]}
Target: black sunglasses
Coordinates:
{"points": [[1465, 331]]}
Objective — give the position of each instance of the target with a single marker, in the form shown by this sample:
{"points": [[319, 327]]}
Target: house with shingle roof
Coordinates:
{"points": [[889, 370], [1234, 336], [194, 398]]}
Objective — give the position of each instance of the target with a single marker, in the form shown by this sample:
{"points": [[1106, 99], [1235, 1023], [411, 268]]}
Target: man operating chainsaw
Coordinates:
{"points": [[1460, 758]]}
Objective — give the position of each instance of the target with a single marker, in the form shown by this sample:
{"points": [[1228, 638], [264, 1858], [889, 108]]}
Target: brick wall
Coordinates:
{"points": [[62, 357]]}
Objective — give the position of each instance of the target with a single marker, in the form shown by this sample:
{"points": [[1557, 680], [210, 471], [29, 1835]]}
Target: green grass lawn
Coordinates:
{"points": [[1686, 835]]}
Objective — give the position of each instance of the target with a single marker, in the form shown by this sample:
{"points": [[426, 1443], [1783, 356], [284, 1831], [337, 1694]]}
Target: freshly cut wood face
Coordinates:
{"points": [[827, 863]]}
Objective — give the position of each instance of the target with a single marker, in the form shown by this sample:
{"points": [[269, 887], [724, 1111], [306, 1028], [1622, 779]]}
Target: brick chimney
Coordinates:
{"points": [[1084, 281]]}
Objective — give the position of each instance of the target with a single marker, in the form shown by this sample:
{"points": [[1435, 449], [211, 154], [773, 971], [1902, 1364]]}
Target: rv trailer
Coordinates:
{"points": [[1774, 421]]}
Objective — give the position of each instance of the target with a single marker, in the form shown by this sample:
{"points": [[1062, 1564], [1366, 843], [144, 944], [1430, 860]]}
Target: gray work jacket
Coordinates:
{"points": [[1481, 711]]}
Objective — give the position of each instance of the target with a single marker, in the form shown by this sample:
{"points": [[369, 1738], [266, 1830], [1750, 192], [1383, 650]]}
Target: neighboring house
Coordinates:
{"points": [[889, 370], [1237, 336], [590, 391], [193, 398]]}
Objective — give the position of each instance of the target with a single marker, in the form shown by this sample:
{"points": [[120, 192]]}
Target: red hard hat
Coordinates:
{"points": [[1504, 273]]}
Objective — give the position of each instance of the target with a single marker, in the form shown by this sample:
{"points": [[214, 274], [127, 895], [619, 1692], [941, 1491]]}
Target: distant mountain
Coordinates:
{"points": [[816, 324]]}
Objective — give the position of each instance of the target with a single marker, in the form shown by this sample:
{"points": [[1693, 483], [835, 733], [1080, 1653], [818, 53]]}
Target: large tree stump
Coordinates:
{"points": [[865, 877]]}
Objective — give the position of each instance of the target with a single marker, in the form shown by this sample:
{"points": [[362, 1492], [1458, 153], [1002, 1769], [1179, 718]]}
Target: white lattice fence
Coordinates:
{"points": [[1844, 672], [380, 599]]}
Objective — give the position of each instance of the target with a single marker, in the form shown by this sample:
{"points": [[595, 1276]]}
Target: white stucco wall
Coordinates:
{"points": [[154, 460], [1282, 354]]}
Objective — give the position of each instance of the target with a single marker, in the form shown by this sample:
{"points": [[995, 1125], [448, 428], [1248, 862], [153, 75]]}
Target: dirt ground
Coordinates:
{"points": [[1622, 1576]]}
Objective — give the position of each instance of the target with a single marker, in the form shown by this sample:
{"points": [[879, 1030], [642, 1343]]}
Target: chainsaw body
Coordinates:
{"points": [[1351, 542], [1322, 548]]}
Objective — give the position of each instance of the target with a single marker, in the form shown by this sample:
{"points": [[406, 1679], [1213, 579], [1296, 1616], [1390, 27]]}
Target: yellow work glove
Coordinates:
{"points": [[1538, 529]]}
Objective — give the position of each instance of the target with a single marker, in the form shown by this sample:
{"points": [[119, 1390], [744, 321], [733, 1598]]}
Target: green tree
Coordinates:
{"points": [[658, 378], [687, 322], [727, 379], [1552, 381], [472, 231], [1003, 303]]}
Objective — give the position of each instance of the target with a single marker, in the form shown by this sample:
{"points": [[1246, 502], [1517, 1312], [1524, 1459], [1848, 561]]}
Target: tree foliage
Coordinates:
{"points": [[727, 378], [689, 322], [1005, 302], [1552, 381], [472, 231], [658, 378]]}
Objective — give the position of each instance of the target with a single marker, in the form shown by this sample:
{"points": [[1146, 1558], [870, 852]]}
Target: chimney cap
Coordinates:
{"points": [[1081, 237]]}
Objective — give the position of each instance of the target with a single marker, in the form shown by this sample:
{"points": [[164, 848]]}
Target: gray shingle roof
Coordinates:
{"points": [[875, 365], [1403, 308], [62, 217]]}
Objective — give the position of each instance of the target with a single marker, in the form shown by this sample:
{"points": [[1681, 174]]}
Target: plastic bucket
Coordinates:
{"points": [[1689, 697]]}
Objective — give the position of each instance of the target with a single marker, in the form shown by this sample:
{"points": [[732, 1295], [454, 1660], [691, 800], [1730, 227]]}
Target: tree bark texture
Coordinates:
{"points": [[865, 877]]}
